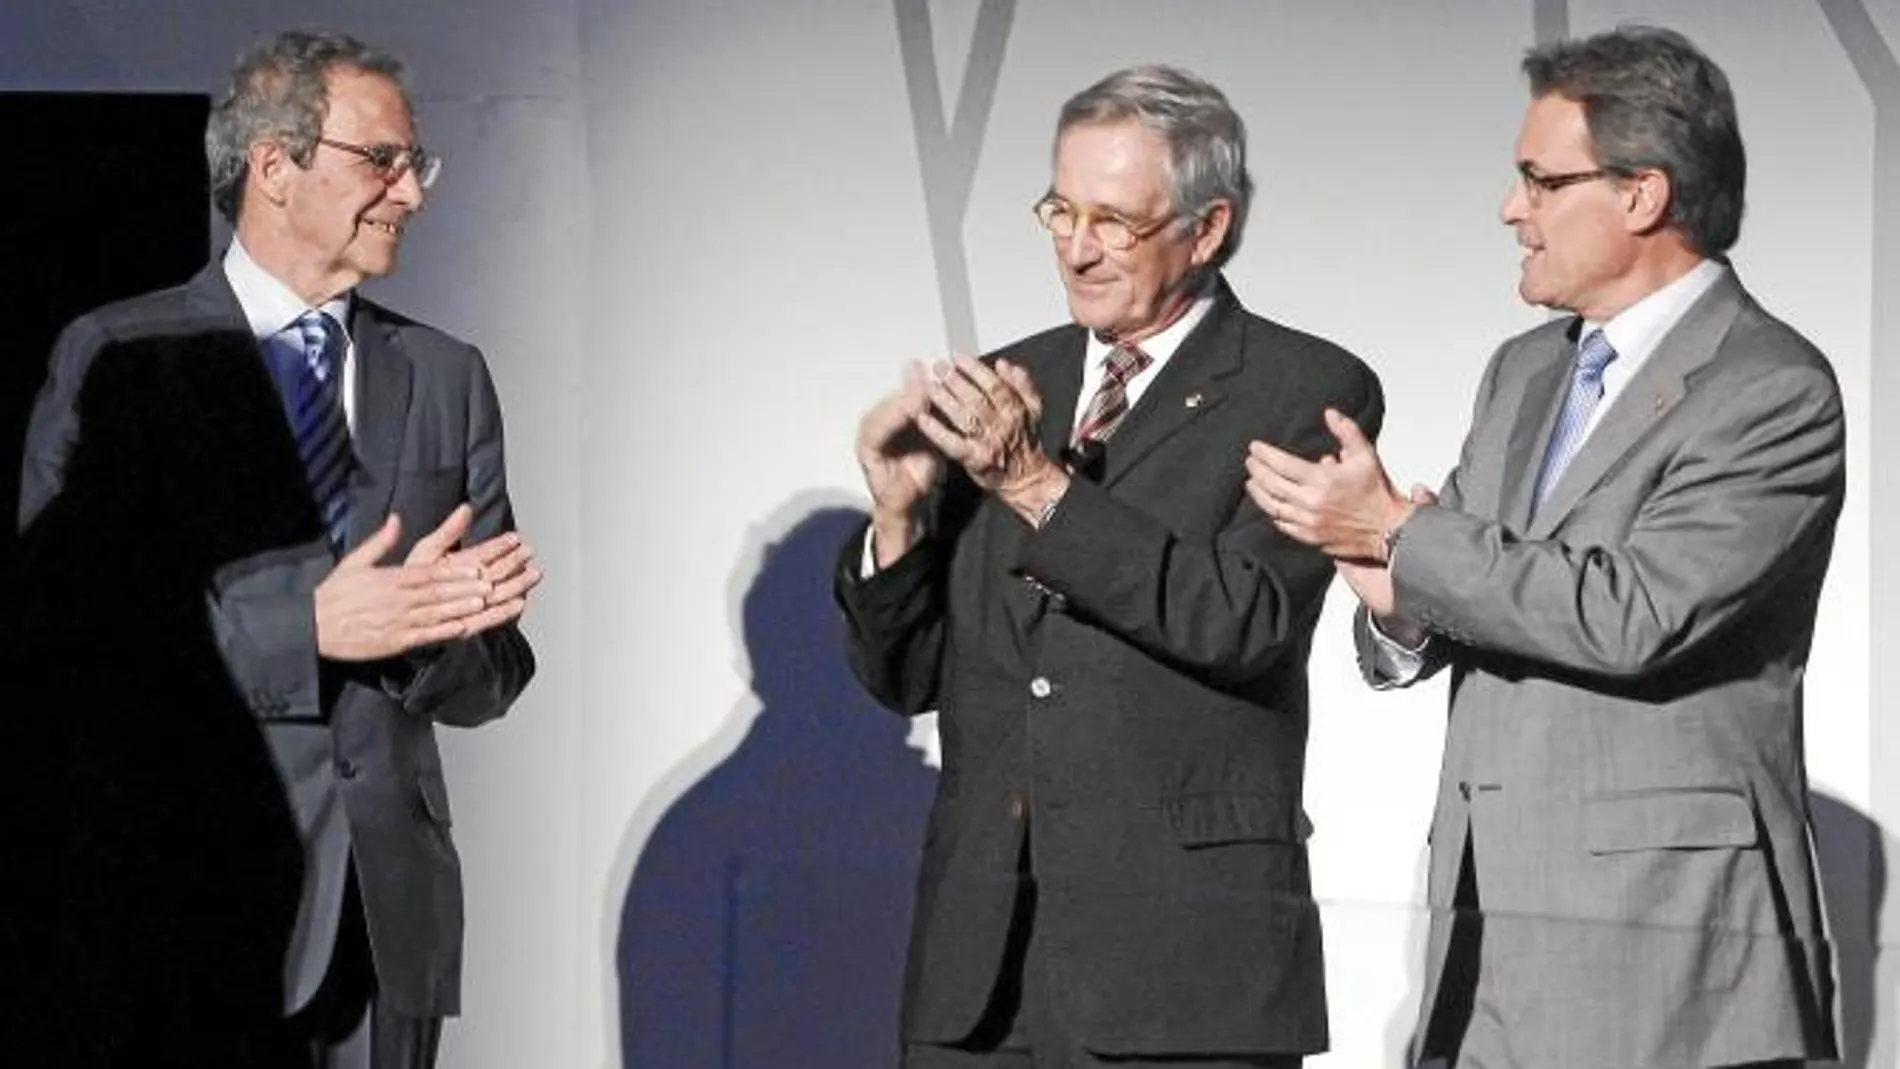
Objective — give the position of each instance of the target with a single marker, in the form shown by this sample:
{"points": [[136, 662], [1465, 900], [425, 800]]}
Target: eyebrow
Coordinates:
{"points": [[1098, 208]]}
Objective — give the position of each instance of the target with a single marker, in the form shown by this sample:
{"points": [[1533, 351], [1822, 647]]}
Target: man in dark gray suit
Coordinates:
{"points": [[1061, 561], [348, 646], [1622, 573]]}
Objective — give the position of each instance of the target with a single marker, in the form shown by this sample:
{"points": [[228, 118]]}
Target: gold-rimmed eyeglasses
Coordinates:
{"points": [[391, 162], [1538, 185], [1112, 229]]}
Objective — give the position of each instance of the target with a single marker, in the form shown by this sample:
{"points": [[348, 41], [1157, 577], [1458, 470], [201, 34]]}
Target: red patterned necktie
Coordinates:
{"points": [[1110, 402]]}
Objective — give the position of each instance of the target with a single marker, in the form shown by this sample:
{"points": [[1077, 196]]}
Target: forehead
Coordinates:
{"points": [[1555, 135], [1117, 164], [366, 107]]}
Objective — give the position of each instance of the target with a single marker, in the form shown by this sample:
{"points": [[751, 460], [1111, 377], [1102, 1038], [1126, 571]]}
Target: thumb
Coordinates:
{"points": [[1025, 387], [375, 547], [1351, 439], [917, 379], [1423, 495]]}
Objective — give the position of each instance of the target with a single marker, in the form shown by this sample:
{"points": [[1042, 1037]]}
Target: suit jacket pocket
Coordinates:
{"points": [[1215, 819], [1679, 818], [1142, 971]]}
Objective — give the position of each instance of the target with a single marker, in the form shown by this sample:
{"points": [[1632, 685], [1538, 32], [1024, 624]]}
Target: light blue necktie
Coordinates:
{"points": [[1586, 390], [309, 379]]}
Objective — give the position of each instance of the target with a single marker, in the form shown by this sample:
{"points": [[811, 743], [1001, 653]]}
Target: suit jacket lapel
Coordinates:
{"points": [[1647, 399], [1543, 399], [214, 308], [1059, 388], [1185, 387], [209, 294], [383, 373]]}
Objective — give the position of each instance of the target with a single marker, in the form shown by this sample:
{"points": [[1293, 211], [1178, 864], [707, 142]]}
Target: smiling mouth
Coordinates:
{"points": [[394, 230]]}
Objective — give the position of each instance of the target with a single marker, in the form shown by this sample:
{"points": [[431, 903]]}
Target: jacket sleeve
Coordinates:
{"points": [[473, 680], [259, 602], [1223, 608], [1748, 497], [53, 427], [896, 619], [1376, 666]]}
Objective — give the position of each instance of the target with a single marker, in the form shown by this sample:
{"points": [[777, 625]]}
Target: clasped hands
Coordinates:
{"points": [[367, 610], [984, 419], [1343, 503]]}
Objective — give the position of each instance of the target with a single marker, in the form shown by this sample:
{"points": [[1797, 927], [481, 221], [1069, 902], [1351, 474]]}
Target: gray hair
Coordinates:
{"points": [[278, 93], [1207, 142], [1652, 100]]}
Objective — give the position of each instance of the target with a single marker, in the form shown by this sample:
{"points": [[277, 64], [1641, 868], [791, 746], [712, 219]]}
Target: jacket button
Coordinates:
{"points": [[346, 769], [1464, 789], [1040, 687], [1017, 808]]}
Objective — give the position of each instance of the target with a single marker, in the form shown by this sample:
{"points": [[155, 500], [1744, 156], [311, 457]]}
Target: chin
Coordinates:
{"points": [[376, 267], [1094, 314], [1533, 292]]}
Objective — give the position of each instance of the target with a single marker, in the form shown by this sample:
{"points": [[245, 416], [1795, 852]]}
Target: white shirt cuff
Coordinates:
{"points": [[1394, 661]]}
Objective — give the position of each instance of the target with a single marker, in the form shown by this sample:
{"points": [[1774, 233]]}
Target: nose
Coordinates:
{"points": [[1517, 203], [407, 189], [1081, 249]]}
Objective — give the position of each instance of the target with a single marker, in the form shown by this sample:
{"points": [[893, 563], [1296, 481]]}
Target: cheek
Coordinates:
{"points": [[1151, 277], [1133, 273], [328, 216], [1577, 240], [348, 204]]}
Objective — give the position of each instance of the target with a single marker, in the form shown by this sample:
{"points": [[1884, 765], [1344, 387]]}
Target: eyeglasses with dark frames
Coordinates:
{"points": [[391, 162], [1538, 185], [1114, 230]]}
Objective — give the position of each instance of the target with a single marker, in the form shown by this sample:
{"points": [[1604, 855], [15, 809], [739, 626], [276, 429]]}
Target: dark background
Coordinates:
{"points": [[107, 195]]}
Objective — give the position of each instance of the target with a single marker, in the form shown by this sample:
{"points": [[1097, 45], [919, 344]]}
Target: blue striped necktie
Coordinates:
{"points": [[1586, 389], [308, 367]]}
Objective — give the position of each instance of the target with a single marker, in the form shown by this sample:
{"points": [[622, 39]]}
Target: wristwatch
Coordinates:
{"points": [[1392, 536], [1048, 512]]}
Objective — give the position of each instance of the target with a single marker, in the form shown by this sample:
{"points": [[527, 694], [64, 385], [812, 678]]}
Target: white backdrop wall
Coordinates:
{"points": [[695, 241]]}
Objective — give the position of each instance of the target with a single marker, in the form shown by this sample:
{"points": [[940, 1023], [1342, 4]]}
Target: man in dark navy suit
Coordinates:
{"points": [[357, 624]]}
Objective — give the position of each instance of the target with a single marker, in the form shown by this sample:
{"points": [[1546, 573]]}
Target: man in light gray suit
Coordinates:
{"points": [[352, 640], [1622, 573]]}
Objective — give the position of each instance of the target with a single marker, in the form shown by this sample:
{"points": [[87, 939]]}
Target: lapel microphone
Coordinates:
{"points": [[1086, 459]]}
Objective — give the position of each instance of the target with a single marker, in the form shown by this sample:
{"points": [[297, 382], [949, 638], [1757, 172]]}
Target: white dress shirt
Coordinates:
{"points": [[272, 309], [1159, 347], [1636, 331]]}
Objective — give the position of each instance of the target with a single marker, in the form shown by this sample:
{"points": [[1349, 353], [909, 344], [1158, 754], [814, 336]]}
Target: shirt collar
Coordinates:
{"points": [[269, 306], [1162, 345], [1636, 331]]}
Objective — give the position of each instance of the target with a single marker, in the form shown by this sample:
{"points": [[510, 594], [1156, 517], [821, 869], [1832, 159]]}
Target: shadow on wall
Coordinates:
{"points": [[1852, 855], [152, 864], [766, 919]]}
